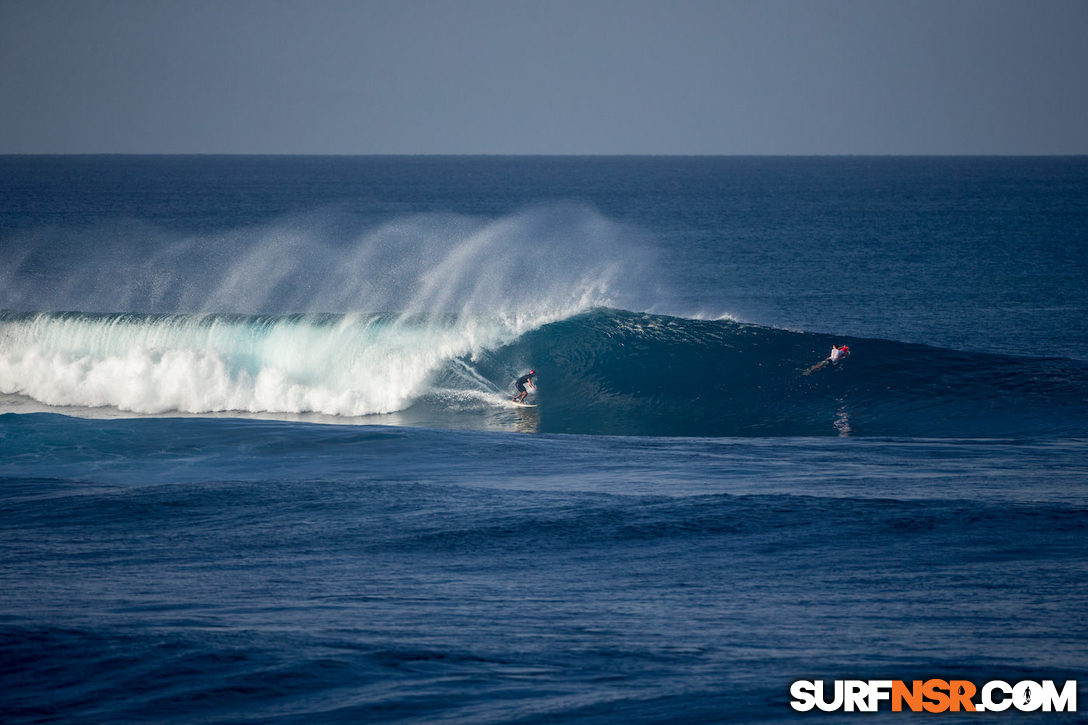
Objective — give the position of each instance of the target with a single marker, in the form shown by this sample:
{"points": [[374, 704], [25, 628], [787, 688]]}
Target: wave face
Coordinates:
{"points": [[609, 371], [603, 371]]}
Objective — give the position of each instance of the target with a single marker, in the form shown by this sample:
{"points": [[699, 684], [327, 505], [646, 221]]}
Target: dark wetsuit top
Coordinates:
{"points": [[520, 384]]}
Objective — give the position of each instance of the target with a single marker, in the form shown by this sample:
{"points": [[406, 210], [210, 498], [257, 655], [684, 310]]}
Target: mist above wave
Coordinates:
{"points": [[545, 261]]}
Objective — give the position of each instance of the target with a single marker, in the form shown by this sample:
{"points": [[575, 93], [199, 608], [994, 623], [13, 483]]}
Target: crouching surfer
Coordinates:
{"points": [[837, 354], [520, 385]]}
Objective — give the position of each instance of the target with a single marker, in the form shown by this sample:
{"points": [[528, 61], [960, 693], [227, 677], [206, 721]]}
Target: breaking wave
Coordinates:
{"points": [[603, 370]]}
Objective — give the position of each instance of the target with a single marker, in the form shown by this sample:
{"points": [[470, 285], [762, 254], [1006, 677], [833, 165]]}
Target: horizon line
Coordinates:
{"points": [[536, 155]]}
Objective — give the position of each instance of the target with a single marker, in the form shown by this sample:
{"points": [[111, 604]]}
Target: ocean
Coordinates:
{"points": [[258, 462]]}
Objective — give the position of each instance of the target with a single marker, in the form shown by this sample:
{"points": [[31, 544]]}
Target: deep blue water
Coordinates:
{"points": [[256, 463]]}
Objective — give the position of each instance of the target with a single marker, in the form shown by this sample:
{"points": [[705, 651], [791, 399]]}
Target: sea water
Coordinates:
{"points": [[257, 462]]}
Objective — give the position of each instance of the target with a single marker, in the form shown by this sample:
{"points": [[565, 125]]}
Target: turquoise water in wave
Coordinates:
{"points": [[256, 463]]}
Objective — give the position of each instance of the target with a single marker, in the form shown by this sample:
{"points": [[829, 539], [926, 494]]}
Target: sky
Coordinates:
{"points": [[544, 76]]}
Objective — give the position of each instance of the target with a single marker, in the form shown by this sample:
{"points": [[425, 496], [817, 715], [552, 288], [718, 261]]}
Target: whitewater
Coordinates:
{"points": [[346, 365]]}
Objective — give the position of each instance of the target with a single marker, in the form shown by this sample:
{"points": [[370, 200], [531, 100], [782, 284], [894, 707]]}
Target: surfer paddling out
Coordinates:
{"points": [[837, 353], [520, 384]]}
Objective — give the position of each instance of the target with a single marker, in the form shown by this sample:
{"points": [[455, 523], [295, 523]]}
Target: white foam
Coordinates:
{"points": [[351, 366]]}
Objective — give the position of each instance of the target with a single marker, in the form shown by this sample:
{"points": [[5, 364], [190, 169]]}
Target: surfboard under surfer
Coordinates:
{"points": [[520, 384]]}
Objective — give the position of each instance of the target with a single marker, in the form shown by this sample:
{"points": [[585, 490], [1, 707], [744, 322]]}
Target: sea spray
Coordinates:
{"points": [[546, 260]]}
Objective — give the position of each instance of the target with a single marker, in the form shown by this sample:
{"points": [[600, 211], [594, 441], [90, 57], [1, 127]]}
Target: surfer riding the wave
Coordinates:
{"points": [[520, 385]]}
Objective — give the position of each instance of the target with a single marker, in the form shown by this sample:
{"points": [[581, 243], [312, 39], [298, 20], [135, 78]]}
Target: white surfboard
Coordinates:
{"points": [[523, 405]]}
